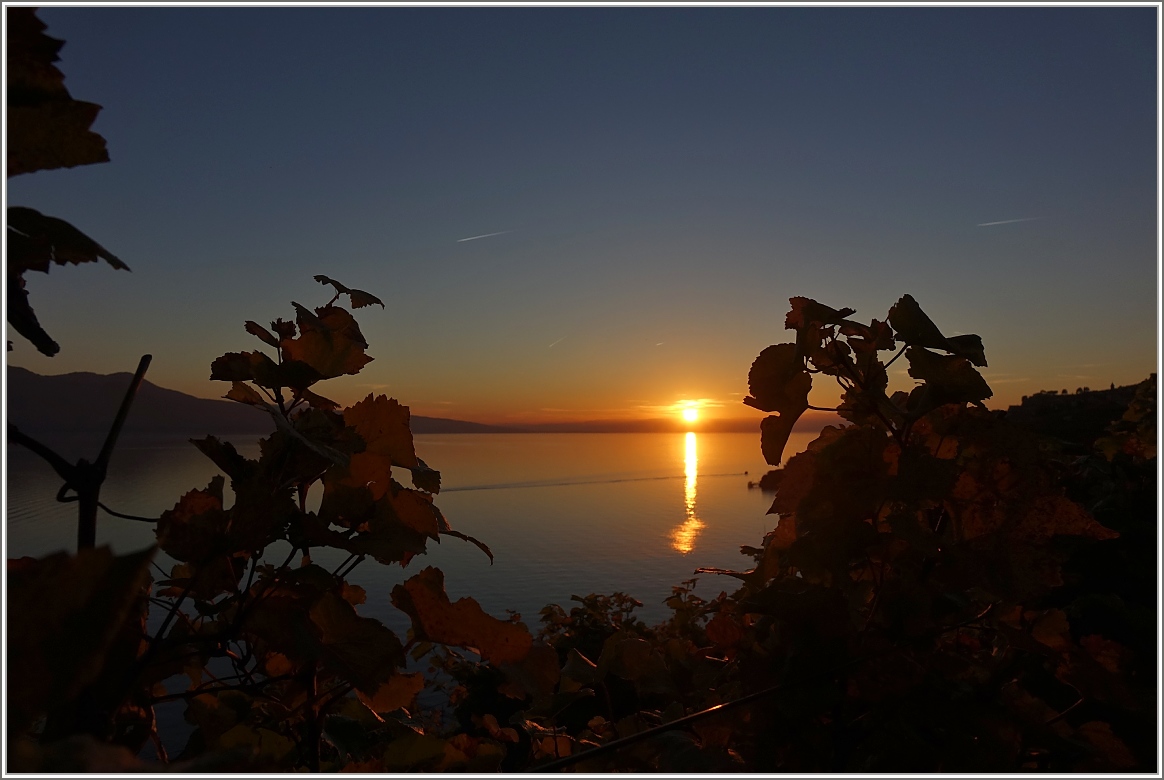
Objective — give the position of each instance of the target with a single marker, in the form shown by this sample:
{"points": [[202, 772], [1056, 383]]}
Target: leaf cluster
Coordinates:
{"points": [[279, 669], [941, 591], [938, 592], [46, 129]]}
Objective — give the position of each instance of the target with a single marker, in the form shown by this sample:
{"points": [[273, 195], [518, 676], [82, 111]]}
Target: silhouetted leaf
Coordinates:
{"points": [[232, 367], [384, 534], [46, 128], [260, 369], [367, 471], [388, 543], [949, 378], [426, 478], [778, 382], [244, 393], [968, 346], [799, 474], [318, 401], [285, 461], [261, 510], [226, 457], [361, 650], [63, 614], [329, 341], [283, 329], [35, 241], [359, 298], [918, 330], [382, 423], [264, 335], [193, 530], [806, 311], [415, 509], [774, 433], [868, 338], [23, 319], [461, 624]]}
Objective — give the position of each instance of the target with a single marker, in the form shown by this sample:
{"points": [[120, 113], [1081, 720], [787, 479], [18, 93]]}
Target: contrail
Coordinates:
{"points": [[486, 235], [1006, 221], [556, 342]]}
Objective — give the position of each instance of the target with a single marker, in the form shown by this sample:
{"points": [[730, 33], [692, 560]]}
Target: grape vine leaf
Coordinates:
{"points": [[915, 328], [64, 613], [35, 242], [461, 624], [415, 509], [362, 650], [774, 433], [262, 333], [425, 478], [950, 379], [329, 341], [778, 383], [245, 394], [260, 369], [806, 311], [318, 401], [46, 127], [192, 530], [359, 298], [226, 457], [382, 423], [387, 540]]}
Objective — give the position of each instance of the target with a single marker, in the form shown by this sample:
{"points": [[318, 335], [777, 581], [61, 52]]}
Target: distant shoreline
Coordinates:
{"points": [[83, 403]]}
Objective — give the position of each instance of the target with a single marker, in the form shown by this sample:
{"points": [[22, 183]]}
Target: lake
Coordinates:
{"points": [[564, 514]]}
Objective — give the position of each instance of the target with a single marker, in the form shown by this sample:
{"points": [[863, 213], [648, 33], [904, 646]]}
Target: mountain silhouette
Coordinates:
{"points": [[84, 404]]}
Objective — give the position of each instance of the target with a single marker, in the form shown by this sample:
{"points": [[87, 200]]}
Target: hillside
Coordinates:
{"points": [[1077, 418], [84, 404]]}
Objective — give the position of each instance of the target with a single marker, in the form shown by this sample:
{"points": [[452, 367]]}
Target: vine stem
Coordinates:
{"points": [[83, 477], [900, 352]]}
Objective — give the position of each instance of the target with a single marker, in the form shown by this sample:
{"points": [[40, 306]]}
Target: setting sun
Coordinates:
{"points": [[690, 414]]}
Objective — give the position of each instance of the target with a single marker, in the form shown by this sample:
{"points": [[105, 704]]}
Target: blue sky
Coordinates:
{"points": [[662, 180]]}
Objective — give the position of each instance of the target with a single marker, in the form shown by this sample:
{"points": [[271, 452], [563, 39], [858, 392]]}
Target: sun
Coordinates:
{"points": [[690, 414]]}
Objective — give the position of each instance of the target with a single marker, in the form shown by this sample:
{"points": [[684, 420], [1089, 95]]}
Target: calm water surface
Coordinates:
{"points": [[564, 514]]}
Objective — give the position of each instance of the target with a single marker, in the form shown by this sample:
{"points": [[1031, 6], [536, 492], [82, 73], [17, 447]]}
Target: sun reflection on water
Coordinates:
{"points": [[684, 535]]}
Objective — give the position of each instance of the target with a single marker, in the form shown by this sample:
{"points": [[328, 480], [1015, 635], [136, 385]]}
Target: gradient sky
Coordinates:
{"points": [[660, 180]]}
